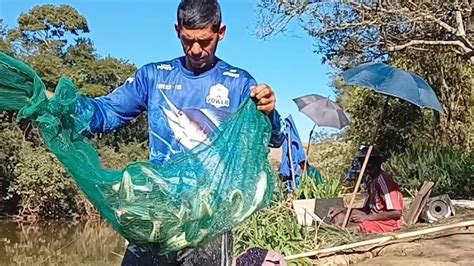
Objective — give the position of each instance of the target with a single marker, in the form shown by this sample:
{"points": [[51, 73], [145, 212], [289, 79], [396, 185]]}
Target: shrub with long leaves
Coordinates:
{"points": [[308, 189], [452, 171]]}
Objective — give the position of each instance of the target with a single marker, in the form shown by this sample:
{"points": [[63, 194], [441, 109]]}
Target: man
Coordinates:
{"points": [[186, 99], [382, 211]]}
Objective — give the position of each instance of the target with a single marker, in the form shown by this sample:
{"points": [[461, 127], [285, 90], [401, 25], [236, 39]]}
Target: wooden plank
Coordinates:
{"points": [[468, 204], [419, 203], [422, 206]]}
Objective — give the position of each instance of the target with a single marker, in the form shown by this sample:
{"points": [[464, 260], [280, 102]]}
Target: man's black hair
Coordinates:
{"points": [[198, 14]]}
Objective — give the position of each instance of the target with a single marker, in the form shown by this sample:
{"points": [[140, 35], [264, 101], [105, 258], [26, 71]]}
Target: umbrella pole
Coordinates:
{"points": [[309, 145], [382, 116], [354, 193]]}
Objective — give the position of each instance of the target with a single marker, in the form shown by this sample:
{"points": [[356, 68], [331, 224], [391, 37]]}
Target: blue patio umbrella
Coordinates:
{"points": [[395, 82]]}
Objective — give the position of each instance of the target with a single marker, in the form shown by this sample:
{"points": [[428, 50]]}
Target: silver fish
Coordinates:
{"points": [[260, 190], [186, 131]]}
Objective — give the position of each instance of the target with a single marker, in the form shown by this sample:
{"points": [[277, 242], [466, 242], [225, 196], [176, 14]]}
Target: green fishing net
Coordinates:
{"points": [[186, 202]]}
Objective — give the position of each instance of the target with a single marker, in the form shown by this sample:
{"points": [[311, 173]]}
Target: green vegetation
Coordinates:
{"points": [[451, 171], [276, 228]]}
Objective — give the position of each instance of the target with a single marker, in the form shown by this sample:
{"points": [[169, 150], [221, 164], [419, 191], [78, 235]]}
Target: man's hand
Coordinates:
{"points": [[334, 211], [49, 94], [272, 259], [265, 98]]}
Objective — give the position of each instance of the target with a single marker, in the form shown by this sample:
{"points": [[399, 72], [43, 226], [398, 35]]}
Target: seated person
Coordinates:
{"points": [[382, 211]]}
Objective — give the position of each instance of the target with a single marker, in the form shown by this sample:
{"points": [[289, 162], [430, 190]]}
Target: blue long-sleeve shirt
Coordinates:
{"points": [[183, 109]]}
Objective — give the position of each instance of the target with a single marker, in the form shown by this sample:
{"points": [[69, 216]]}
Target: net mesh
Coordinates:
{"points": [[184, 203]]}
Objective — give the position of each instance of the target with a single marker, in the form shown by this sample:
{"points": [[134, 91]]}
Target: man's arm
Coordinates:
{"points": [[117, 108], [385, 216], [277, 136]]}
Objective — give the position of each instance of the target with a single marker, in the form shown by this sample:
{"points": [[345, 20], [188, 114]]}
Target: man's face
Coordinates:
{"points": [[199, 45], [372, 168]]}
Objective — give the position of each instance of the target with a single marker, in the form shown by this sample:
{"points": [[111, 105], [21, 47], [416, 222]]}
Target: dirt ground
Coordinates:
{"points": [[456, 247], [452, 250], [452, 247]]}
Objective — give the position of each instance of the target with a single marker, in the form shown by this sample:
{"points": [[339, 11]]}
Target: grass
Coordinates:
{"points": [[276, 228]]}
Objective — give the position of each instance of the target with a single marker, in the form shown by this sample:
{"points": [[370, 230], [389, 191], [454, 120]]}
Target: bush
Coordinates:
{"points": [[46, 190], [117, 158], [400, 123], [42, 184], [331, 188], [332, 158], [10, 143], [451, 171], [35, 185]]}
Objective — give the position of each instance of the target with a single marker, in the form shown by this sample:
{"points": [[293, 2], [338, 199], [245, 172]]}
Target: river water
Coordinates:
{"points": [[59, 243]]}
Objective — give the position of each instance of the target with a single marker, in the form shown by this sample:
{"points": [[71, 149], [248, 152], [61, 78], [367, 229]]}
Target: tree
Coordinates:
{"points": [[431, 38], [48, 26], [95, 76], [4, 44], [52, 40], [375, 28], [109, 72], [42, 37], [80, 54]]}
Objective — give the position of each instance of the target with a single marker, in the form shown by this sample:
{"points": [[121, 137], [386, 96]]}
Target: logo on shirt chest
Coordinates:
{"points": [[218, 96], [167, 87]]}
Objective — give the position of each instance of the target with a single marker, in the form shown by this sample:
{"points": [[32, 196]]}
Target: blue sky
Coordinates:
{"points": [[142, 31]]}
